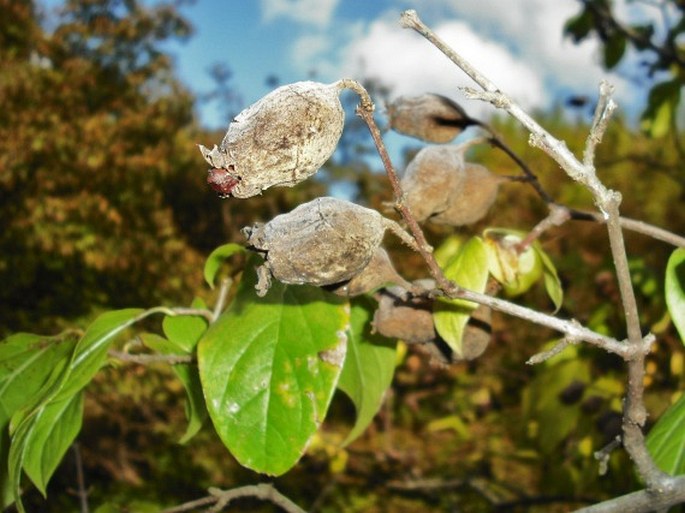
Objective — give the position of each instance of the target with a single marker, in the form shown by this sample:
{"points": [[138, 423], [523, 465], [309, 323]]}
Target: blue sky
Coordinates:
{"points": [[518, 43]]}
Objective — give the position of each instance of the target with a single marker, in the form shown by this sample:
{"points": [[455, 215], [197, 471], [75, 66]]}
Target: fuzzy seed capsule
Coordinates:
{"points": [[439, 186], [431, 179], [322, 242], [430, 117], [281, 140], [378, 272]]}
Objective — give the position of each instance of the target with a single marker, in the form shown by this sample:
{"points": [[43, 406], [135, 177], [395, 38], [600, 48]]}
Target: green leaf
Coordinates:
{"points": [[185, 330], [28, 362], [468, 269], [217, 257], [666, 440], [542, 401], [196, 410], [269, 367], [614, 49], [661, 108], [516, 272], [369, 368], [580, 25], [675, 290], [552, 281], [88, 356], [54, 430]]}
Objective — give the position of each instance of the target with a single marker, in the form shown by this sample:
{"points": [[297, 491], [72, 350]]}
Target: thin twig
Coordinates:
{"points": [[608, 202], [221, 299], [604, 454], [556, 349], [146, 359], [221, 498], [80, 479]]}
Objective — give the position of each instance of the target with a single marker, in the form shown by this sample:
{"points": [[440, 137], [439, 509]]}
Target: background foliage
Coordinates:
{"points": [[104, 206]]}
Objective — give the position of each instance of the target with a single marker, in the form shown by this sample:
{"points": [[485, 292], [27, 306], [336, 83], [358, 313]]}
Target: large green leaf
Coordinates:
{"points": [[666, 440], [28, 362], [28, 423], [269, 367], [675, 290], [54, 429], [368, 370], [468, 269]]}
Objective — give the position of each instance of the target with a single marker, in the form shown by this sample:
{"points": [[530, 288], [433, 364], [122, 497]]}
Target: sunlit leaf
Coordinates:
{"points": [[185, 330], [28, 362], [662, 103], [675, 290], [666, 440], [88, 356], [269, 367], [368, 370], [216, 259], [468, 269], [552, 281], [516, 271], [54, 429]]}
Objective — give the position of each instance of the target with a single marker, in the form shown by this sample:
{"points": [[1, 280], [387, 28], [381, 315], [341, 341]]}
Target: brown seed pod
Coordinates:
{"points": [[477, 333], [404, 318], [322, 242], [430, 117], [431, 179], [377, 273], [281, 140], [473, 197]]}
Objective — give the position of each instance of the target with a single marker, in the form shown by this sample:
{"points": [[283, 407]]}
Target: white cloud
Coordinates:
{"points": [[307, 12], [409, 65]]}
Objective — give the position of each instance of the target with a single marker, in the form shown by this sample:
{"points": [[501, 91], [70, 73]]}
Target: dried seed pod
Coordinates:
{"points": [[473, 198], [430, 117], [281, 140], [377, 273], [322, 242], [400, 317], [477, 333], [431, 179]]}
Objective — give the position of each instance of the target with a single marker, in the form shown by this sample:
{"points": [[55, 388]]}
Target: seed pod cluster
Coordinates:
{"points": [[409, 318], [323, 242], [429, 117], [441, 187], [281, 140]]}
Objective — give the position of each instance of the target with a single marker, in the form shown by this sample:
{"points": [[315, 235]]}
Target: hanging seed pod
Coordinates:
{"points": [[400, 317], [477, 334], [432, 179], [281, 140], [323, 242], [473, 197], [377, 273], [430, 117]]}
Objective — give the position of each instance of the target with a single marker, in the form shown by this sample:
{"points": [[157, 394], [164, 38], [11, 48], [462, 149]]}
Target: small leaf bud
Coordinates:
{"points": [[280, 140]]}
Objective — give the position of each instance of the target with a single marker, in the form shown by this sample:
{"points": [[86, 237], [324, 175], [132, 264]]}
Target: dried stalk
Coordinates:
{"points": [[607, 201]]}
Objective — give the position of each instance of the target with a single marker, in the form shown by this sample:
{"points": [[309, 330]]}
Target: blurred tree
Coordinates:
{"points": [[93, 125]]}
